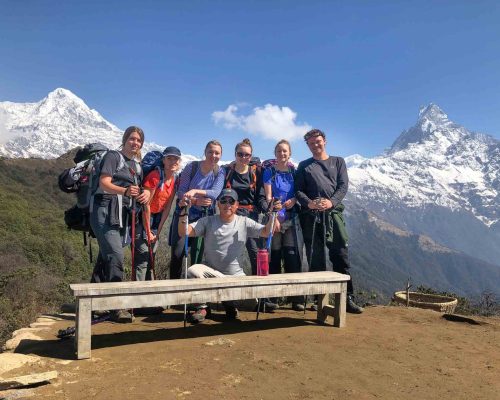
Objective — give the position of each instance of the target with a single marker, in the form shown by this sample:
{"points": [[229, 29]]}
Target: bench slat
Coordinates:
{"points": [[112, 302], [165, 286]]}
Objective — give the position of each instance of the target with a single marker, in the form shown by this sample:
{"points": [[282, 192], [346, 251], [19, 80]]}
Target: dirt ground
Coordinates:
{"points": [[385, 353]]}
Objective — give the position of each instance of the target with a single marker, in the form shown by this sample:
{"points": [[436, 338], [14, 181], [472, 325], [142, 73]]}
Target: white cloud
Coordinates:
{"points": [[270, 122], [228, 117]]}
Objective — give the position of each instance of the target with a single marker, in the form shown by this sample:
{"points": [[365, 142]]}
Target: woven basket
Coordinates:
{"points": [[444, 304]]}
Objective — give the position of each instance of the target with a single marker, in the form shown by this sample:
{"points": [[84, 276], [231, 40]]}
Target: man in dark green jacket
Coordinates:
{"points": [[321, 183]]}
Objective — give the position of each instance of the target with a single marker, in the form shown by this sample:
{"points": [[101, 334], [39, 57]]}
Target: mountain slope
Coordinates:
{"points": [[383, 256], [438, 179]]}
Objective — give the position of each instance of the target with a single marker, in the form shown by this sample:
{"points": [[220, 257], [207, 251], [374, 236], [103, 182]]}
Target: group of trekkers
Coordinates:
{"points": [[306, 202]]}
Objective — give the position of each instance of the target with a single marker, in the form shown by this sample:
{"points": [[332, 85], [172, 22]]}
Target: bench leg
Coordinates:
{"points": [[340, 306], [83, 328], [322, 301]]}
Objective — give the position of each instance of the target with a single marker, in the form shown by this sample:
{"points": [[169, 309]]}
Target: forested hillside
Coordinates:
{"points": [[39, 257]]}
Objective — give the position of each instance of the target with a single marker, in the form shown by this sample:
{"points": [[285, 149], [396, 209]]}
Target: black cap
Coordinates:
{"points": [[228, 193], [171, 151]]}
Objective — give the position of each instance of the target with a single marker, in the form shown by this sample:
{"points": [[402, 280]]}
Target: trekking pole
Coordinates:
{"points": [[268, 248], [151, 257], [132, 230], [198, 246], [311, 252], [186, 249]]}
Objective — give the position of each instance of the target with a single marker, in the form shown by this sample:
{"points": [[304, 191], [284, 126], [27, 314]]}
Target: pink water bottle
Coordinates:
{"points": [[262, 262]]}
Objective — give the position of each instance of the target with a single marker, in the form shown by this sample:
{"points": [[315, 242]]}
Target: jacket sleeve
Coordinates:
{"points": [[300, 187], [342, 182], [217, 186], [260, 201]]}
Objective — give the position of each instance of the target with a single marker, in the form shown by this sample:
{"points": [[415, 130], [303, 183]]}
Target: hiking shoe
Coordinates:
{"points": [[121, 316], [267, 305], [298, 307], [99, 314], [198, 316], [232, 314], [352, 307]]}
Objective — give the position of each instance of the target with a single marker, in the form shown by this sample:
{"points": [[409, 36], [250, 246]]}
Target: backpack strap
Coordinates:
{"points": [[195, 166], [176, 182], [95, 175], [253, 177], [229, 175], [252, 171]]}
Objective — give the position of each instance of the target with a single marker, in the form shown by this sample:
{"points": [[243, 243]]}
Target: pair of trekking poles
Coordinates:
{"points": [[263, 256], [316, 221], [132, 234]]}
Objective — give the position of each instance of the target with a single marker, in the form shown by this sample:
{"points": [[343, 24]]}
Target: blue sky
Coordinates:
{"points": [[359, 70]]}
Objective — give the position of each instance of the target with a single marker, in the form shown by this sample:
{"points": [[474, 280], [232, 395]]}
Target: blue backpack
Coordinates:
{"points": [[151, 161]]}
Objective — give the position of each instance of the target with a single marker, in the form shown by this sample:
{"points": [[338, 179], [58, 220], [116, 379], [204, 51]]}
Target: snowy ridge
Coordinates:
{"points": [[355, 160], [51, 127], [436, 162]]}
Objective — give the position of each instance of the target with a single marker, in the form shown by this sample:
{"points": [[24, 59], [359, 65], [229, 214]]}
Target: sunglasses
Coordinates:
{"points": [[243, 155], [227, 200]]}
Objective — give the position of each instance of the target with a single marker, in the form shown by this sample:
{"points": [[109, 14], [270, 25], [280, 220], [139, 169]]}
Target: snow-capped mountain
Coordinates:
{"points": [[355, 160], [435, 162], [436, 179], [51, 127]]}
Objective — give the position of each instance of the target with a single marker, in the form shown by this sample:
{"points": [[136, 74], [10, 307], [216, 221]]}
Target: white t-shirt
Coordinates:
{"points": [[224, 242]]}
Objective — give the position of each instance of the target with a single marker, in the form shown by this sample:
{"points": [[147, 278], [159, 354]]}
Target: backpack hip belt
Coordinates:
{"points": [[248, 207]]}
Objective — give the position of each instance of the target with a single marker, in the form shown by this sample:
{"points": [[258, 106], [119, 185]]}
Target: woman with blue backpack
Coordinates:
{"points": [[286, 246], [118, 190], [160, 181]]}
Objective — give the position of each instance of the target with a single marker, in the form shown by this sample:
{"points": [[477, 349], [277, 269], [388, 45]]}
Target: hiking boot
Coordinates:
{"points": [[121, 316], [232, 314], [298, 307], [198, 316], [100, 314], [352, 307], [267, 305]]}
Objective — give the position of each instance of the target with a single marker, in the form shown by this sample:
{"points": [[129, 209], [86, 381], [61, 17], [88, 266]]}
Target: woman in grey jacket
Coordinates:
{"points": [[119, 182]]}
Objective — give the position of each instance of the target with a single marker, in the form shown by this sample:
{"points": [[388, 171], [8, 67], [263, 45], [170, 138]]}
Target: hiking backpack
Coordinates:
{"points": [[153, 160], [271, 164], [83, 180], [254, 167]]}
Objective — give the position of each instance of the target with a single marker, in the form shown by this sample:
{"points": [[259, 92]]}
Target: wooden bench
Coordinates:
{"points": [[126, 295]]}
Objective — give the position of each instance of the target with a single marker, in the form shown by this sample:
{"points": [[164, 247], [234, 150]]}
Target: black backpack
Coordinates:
{"points": [[83, 180]]}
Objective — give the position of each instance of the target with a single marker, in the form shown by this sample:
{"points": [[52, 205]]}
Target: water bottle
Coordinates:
{"points": [[262, 262]]}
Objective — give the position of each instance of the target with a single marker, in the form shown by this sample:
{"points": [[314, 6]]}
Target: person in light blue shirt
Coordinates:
{"points": [[278, 178], [200, 183]]}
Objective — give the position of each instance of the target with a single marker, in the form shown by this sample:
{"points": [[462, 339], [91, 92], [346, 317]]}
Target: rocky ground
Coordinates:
{"points": [[385, 353]]}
